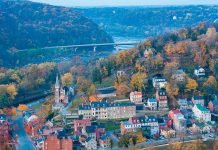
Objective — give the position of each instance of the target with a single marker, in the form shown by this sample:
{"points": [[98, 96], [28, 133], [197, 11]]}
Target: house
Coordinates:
{"points": [[148, 123], [33, 125], [105, 142], [213, 106], [106, 92], [152, 103], [179, 121], [183, 103], [198, 100], [89, 131], [161, 96], [201, 113], [80, 124], [202, 127], [178, 75], [215, 96], [136, 97], [59, 143], [150, 127], [85, 111], [57, 107], [168, 132], [120, 73], [159, 82], [4, 131], [69, 116], [99, 130], [199, 71], [90, 144], [105, 110]]}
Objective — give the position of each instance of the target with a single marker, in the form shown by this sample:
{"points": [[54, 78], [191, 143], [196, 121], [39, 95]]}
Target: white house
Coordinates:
{"points": [[178, 75], [199, 71], [183, 103], [136, 97], [120, 73], [90, 144], [152, 103], [201, 113], [159, 82], [198, 100]]}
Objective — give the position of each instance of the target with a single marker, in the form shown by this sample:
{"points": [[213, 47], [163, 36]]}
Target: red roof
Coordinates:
{"points": [[82, 121], [176, 111], [137, 93]]}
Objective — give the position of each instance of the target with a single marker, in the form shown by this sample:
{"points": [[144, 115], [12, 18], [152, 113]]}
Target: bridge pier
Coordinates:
{"points": [[75, 49], [116, 48], [94, 49]]}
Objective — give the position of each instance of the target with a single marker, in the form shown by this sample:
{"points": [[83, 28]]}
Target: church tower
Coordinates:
{"points": [[57, 90]]}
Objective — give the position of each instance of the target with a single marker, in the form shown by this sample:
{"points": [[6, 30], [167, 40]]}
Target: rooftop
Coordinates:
{"points": [[202, 108], [152, 100], [198, 97]]}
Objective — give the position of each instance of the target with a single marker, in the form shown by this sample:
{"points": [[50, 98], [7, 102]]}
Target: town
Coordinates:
{"points": [[161, 93], [105, 120]]}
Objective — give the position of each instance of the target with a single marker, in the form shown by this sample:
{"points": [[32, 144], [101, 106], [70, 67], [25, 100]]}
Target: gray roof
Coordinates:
{"points": [[84, 107], [198, 97]]}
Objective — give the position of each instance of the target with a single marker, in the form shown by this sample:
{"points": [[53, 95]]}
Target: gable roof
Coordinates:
{"points": [[90, 129], [202, 108], [198, 97], [152, 100], [215, 102]]}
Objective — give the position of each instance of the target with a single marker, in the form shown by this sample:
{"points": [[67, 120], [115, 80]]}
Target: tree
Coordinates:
{"points": [[191, 85], [210, 85], [96, 75], [124, 141], [111, 144], [67, 79], [169, 48], [123, 89], [91, 90], [169, 69], [12, 91], [134, 140], [211, 33], [137, 81]]}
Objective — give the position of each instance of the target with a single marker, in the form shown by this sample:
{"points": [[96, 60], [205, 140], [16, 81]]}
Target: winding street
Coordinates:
{"points": [[24, 143]]}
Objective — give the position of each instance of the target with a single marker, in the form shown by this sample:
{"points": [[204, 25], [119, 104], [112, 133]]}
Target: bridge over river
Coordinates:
{"points": [[93, 45]]}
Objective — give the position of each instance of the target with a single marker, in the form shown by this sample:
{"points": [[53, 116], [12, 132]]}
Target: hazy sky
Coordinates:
{"points": [[125, 2]]}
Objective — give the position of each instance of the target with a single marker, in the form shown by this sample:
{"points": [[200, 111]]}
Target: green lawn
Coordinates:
{"points": [[105, 82]]}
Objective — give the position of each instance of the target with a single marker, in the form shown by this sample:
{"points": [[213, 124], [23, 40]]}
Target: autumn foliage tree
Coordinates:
{"points": [[138, 81], [122, 89], [67, 79], [191, 85]]}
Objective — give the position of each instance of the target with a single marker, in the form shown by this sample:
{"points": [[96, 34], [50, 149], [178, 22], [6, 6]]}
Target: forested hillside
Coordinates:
{"points": [[26, 25], [143, 22]]}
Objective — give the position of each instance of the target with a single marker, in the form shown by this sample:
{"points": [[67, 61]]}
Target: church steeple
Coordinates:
{"points": [[57, 84], [57, 90]]}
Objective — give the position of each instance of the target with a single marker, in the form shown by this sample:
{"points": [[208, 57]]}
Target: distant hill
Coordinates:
{"points": [[142, 22], [25, 24]]}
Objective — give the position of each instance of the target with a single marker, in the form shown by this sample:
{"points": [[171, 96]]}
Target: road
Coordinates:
{"points": [[24, 142]]}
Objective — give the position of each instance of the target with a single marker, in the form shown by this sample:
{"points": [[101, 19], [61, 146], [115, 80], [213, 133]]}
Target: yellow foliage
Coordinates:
{"points": [[22, 107], [67, 79], [12, 91], [211, 81], [191, 84], [137, 81]]}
